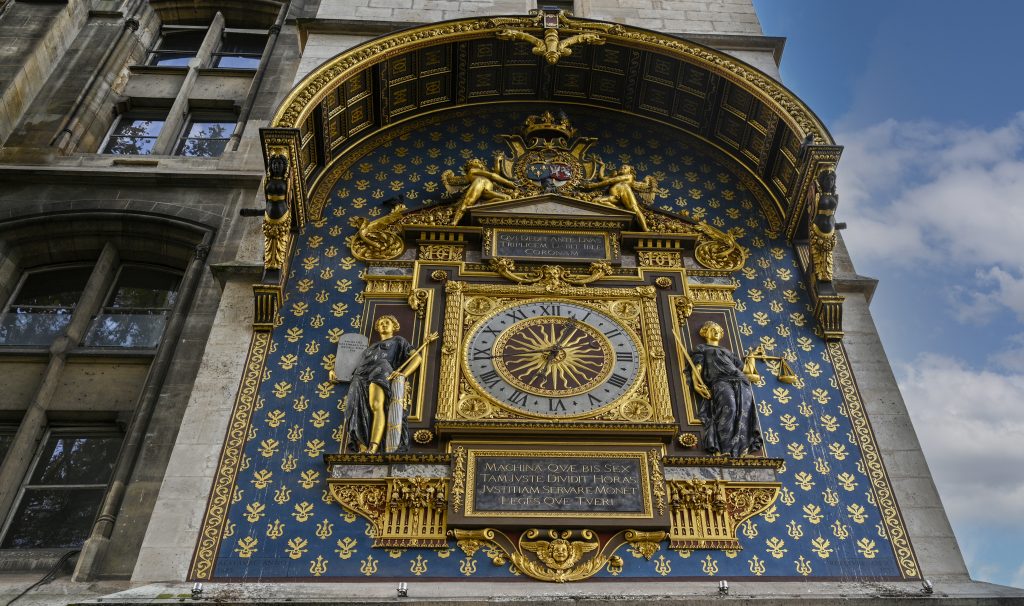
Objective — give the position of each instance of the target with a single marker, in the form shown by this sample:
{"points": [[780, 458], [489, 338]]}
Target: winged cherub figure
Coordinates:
{"points": [[559, 554], [551, 48], [622, 190], [479, 183]]}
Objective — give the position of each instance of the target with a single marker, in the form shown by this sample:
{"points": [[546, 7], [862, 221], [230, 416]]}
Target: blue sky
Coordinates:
{"points": [[928, 99]]}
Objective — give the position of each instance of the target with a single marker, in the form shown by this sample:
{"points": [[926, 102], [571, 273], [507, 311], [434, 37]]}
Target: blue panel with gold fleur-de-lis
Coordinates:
{"points": [[280, 524]]}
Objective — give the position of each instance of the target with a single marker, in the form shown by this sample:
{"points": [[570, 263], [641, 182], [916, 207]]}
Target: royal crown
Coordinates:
{"points": [[545, 126]]}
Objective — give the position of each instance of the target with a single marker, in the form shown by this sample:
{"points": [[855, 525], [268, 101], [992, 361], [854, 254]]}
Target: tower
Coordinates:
{"points": [[596, 241]]}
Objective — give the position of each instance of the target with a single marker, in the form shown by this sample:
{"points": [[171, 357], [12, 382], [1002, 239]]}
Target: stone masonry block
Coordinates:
{"points": [[373, 13], [391, 4]]}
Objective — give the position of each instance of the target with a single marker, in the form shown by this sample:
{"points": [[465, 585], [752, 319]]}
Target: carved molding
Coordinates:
{"points": [[404, 512], [707, 513]]}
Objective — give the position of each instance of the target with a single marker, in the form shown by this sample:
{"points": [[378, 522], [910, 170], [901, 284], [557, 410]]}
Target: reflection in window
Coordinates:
{"points": [[59, 501], [176, 48], [137, 309], [239, 50], [43, 305], [134, 135], [206, 138]]}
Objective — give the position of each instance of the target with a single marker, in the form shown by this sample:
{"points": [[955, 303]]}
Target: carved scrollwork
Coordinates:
{"points": [[551, 277], [557, 556], [404, 512]]}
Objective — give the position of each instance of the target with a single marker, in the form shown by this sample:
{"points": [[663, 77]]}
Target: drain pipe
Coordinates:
{"points": [[95, 546], [250, 98]]}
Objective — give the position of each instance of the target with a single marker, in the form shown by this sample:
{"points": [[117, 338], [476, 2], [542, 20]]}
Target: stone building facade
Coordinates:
{"points": [[132, 147]]}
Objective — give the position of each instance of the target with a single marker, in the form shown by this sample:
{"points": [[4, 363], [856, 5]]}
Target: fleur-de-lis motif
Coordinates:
{"points": [[662, 566], [246, 547], [318, 566], [776, 547], [856, 513], [822, 466], [821, 547], [254, 511], [309, 478], [275, 529], [840, 530], [794, 530], [324, 529], [770, 515], [346, 547], [467, 566], [261, 479], [813, 513], [803, 567], [296, 547], [756, 566], [709, 566], [749, 529], [804, 480], [282, 495], [866, 547], [315, 448], [289, 463], [303, 511], [787, 496], [418, 566], [847, 480], [368, 566]]}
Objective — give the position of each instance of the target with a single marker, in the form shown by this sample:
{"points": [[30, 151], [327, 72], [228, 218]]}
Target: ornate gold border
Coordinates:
{"points": [[215, 518], [317, 85], [646, 480], [880, 484]]}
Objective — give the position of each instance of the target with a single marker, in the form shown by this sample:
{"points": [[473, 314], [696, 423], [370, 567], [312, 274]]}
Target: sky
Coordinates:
{"points": [[928, 101]]}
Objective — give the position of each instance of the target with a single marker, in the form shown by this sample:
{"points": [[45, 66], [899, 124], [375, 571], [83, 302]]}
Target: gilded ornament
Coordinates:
{"points": [[684, 306], [378, 239], [277, 220], [439, 275], [707, 514], [404, 512], [623, 187], [423, 436], [717, 249], [557, 556], [551, 277], [663, 282], [440, 252], [822, 228], [418, 300], [476, 184], [688, 440]]}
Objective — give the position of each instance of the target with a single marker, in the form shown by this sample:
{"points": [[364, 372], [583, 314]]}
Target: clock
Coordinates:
{"points": [[552, 358]]}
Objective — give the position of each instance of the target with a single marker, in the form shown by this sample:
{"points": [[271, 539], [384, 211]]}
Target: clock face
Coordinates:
{"points": [[553, 358]]}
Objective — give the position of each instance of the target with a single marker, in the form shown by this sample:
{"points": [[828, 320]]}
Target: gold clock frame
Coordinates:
{"points": [[647, 402]]}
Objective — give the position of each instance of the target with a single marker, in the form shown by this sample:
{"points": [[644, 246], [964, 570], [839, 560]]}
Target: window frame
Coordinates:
{"points": [[70, 429], [218, 54], [157, 49], [21, 283], [112, 290], [135, 114], [204, 116]]}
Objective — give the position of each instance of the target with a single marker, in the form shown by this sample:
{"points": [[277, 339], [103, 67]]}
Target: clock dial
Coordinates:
{"points": [[553, 358]]}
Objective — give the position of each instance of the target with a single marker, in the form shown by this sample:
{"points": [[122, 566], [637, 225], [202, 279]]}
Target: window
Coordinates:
{"points": [[7, 433], [177, 47], [566, 5], [42, 306], [134, 134], [136, 310], [59, 501], [206, 137], [238, 50]]}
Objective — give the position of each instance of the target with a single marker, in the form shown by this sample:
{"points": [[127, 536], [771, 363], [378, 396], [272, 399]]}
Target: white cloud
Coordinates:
{"points": [[971, 428], [923, 194]]}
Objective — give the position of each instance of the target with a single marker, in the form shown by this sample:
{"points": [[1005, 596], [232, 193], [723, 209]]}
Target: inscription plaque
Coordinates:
{"points": [[350, 350], [550, 484], [544, 245]]}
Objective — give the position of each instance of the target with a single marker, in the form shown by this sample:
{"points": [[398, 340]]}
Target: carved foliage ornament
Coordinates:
{"points": [[557, 556]]}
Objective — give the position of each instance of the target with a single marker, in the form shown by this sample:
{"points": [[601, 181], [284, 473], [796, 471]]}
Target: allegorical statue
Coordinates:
{"points": [[376, 399], [479, 183], [727, 398], [622, 188], [277, 218]]}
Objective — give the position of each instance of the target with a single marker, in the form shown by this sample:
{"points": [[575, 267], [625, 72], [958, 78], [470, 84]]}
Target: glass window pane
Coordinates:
{"points": [[139, 330], [77, 459], [171, 59], [57, 287], [236, 62], [134, 136], [189, 40], [206, 138], [22, 326], [145, 287], [53, 517]]}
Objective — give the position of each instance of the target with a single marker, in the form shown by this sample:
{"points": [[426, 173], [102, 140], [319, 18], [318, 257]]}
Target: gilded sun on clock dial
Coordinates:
{"points": [[553, 358]]}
